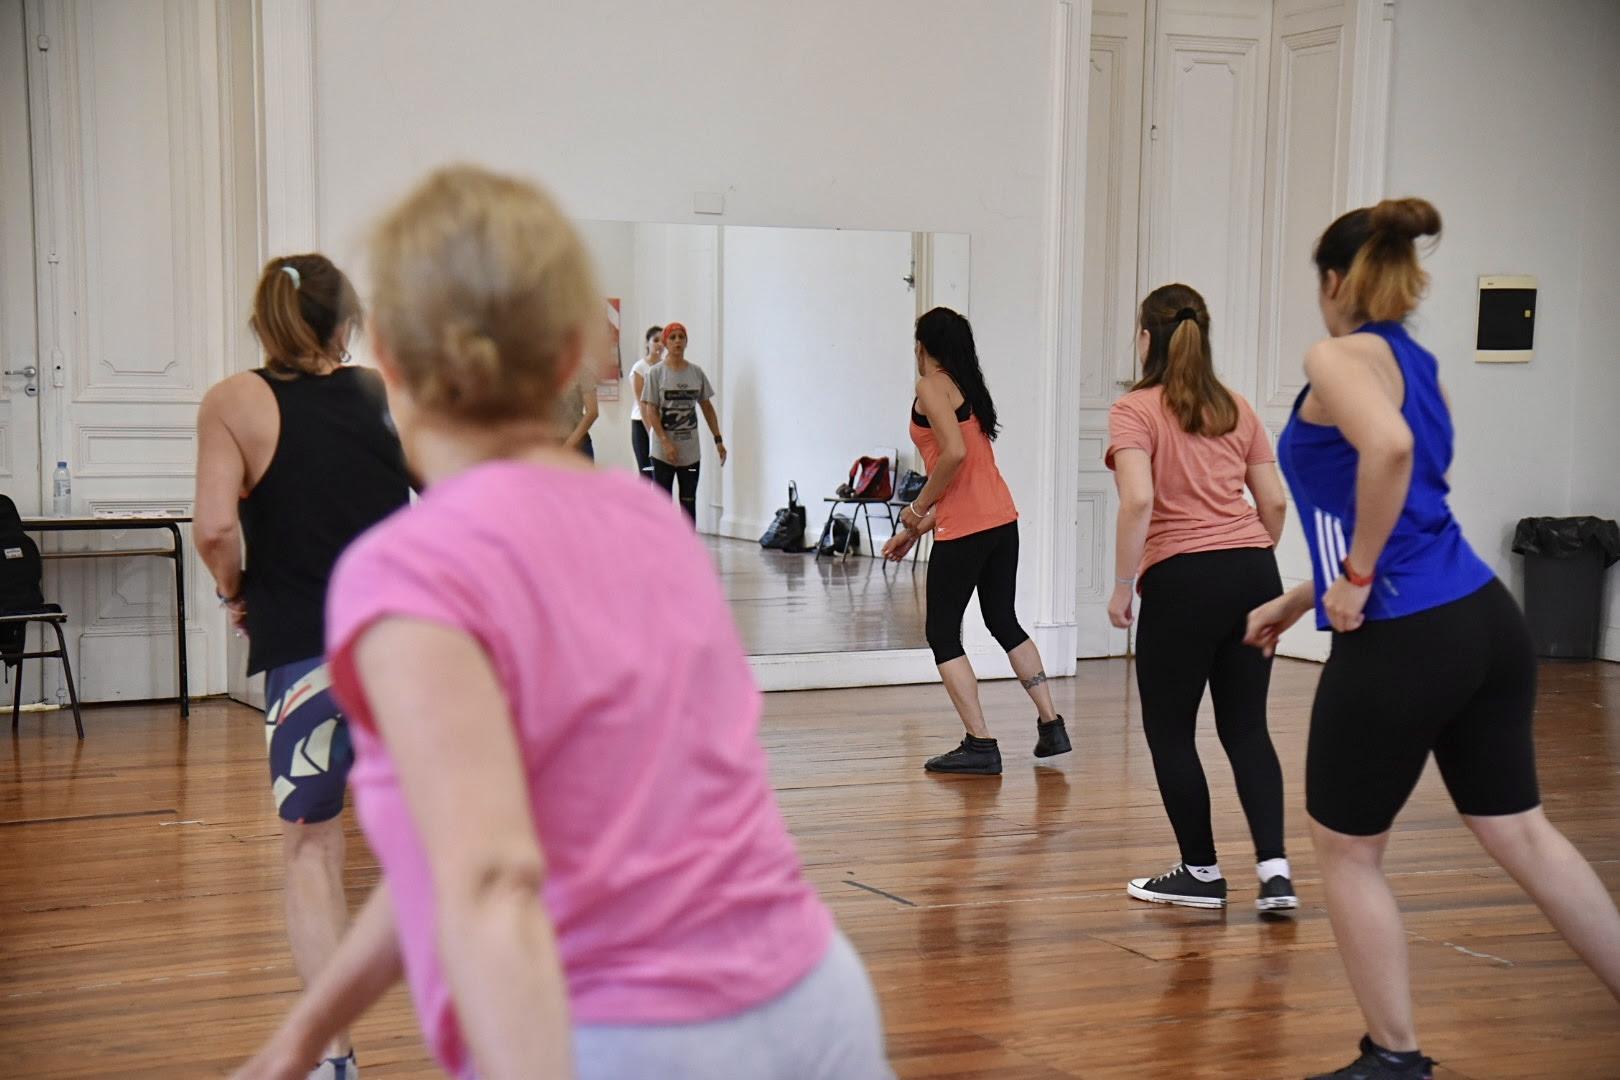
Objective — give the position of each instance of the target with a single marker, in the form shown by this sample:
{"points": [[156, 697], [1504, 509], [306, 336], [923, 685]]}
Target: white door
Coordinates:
{"points": [[1250, 135], [1111, 289], [19, 334], [134, 147]]}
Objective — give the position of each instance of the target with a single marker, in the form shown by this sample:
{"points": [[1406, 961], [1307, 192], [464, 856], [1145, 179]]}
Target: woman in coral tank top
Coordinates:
{"points": [[967, 506]]}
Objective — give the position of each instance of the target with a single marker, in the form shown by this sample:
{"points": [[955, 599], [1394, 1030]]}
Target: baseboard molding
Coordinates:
{"points": [[898, 667], [735, 528]]}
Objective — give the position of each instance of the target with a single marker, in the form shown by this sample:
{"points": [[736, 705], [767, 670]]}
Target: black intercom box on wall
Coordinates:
{"points": [[1507, 320]]}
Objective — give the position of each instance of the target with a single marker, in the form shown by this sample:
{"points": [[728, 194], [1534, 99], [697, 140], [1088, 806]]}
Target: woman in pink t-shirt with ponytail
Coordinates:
{"points": [[1183, 448], [584, 869]]}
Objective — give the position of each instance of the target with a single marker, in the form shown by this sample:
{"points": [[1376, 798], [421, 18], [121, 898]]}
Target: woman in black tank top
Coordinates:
{"points": [[295, 460]]}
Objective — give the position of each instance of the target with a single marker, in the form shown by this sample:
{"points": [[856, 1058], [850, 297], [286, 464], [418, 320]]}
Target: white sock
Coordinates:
{"points": [[1205, 873], [1274, 868]]}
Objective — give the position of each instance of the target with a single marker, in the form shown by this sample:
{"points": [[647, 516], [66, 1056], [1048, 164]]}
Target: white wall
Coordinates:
{"points": [[1595, 443], [819, 364], [908, 115], [1503, 114]]}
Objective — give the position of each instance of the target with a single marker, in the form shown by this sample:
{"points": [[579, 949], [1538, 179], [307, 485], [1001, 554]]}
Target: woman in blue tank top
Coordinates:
{"points": [[1430, 652]]}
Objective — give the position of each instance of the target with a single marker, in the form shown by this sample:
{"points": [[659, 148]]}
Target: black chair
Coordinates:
{"points": [[22, 601]]}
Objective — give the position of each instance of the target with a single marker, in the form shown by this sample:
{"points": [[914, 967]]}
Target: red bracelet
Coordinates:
{"points": [[1354, 578]]}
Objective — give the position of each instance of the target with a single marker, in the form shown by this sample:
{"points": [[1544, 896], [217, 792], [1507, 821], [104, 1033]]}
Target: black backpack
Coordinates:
{"points": [[21, 572], [787, 529], [842, 537]]}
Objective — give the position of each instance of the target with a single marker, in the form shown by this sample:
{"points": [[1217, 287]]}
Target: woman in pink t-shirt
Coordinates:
{"points": [[1183, 448], [584, 870]]}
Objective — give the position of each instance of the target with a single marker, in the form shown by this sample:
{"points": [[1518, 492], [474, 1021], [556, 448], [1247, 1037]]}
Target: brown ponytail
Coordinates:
{"points": [[1375, 251], [1178, 359], [301, 305]]}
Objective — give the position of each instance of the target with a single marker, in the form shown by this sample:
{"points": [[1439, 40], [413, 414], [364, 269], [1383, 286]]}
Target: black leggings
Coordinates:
{"points": [[987, 561], [1458, 680], [666, 475], [1195, 608], [641, 445]]}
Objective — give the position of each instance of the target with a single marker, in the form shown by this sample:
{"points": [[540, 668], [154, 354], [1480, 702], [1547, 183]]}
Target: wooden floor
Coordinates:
{"points": [[140, 924], [796, 603]]}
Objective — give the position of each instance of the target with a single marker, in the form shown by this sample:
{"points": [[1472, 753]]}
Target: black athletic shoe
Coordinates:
{"points": [[1375, 1064], [1181, 888], [1276, 894], [978, 757], [1051, 739]]}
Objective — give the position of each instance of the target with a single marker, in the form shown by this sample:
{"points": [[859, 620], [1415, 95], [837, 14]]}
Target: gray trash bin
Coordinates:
{"points": [[1564, 564]]}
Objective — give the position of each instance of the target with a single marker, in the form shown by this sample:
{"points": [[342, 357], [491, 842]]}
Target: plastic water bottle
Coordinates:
{"points": [[62, 492]]}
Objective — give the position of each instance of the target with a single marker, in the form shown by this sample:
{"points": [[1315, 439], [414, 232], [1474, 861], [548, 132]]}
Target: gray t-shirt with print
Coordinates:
{"points": [[676, 395]]}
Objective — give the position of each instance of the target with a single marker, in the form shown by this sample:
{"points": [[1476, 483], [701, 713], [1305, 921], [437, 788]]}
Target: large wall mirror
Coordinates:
{"points": [[806, 337]]}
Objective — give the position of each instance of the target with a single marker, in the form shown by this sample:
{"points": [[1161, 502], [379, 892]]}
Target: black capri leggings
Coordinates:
{"points": [[1458, 680], [666, 475], [1195, 608], [986, 561], [641, 445]]}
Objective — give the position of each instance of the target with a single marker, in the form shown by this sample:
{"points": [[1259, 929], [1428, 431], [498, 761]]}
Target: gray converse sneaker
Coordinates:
{"points": [[1179, 887], [1276, 894]]}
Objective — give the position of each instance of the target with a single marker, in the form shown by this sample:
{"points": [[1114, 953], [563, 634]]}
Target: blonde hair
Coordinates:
{"points": [[1177, 322], [1375, 250], [483, 291], [301, 305]]}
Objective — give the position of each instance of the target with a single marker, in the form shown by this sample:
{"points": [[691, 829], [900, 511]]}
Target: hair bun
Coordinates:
{"points": [[1409, 217]]}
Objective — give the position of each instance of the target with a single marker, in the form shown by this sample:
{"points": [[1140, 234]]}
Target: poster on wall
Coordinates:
{"points": [[612, 369]]}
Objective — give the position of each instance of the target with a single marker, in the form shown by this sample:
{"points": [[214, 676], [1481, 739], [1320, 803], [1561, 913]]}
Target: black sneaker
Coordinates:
{"points": [[1181, 888], [1375, 1064], [1276, 894], [1051, 739], [979, 757]]}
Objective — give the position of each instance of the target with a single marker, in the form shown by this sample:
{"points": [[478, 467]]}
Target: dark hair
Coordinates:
{"points": [[1374, 249], [652, 332], [300, 305], [1177, 322], [948, 338]]}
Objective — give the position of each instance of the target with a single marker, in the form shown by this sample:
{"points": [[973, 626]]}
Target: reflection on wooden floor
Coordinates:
{"points": [[141, 936], [795, 603]]}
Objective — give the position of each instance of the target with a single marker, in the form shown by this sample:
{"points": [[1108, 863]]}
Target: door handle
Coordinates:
{"points": [[30, 373]]}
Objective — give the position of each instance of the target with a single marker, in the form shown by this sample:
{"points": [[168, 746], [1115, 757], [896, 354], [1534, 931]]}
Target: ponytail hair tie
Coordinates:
{"points": [[292, 272], [1184, 314]]}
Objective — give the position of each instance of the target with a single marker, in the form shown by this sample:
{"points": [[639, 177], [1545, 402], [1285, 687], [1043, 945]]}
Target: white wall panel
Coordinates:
{"points": [[1206, 162], [128, 141]]}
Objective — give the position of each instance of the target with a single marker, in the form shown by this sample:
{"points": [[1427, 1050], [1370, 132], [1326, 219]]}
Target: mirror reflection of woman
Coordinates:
{"points": [[673, 393], [967, 506], [1431, 655], [577, 410], [1183, 449], [652, 352]]}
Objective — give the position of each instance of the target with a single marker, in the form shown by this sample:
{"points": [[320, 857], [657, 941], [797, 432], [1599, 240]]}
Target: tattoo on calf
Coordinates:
{"points": [[1034, 680]]}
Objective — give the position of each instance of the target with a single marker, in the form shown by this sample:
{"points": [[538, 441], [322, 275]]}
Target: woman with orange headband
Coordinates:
{"points": [[671, 397]]}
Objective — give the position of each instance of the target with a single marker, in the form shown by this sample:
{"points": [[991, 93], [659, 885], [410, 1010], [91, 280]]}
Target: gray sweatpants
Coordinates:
{"points": [[827, 1027]]}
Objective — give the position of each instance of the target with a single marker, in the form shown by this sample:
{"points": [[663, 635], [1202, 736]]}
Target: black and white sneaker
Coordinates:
{"points": [[1181, 888], [1276, 894], [1051, 739], [1376, 1063], [975, 757]]}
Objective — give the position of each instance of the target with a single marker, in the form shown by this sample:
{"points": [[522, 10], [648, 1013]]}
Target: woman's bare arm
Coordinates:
{"points": [[469, 798]]}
